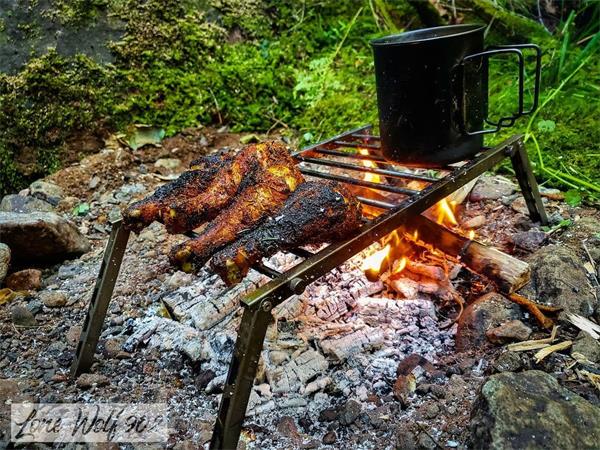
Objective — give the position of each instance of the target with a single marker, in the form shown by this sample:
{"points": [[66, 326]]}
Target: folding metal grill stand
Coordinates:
{"points": [[258, 305]]}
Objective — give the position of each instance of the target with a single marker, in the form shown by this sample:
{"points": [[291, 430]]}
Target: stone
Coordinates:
{"points": [[22, 317], [24, 280], [53, 299], [558, 278], [430, 410], [404, 387], [350, 412], [328, 415], [94, 182], [113, 347], [587, 346], [488, 311], [406, 437], [474, 222], [88, 380], [530, 410], [329, 438], [24, 204], [513, 330], [529, 240], [73, 334], [4, 261], [508, 362], [520, 206], [41, 237], [287, 427], [491, 188], [46, 191]]}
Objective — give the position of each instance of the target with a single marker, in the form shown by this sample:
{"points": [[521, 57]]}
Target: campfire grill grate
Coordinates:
{"points": [[258, 304]]}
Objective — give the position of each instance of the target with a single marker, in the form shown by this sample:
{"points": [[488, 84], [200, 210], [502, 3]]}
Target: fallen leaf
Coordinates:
{"points": [[6, 295], [144, 135]]}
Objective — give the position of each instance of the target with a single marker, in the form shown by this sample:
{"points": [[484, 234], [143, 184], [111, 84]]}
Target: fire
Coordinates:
{"points": [[373, 178], [371, 265], [445, 211], [401, 265], [471, 234]]}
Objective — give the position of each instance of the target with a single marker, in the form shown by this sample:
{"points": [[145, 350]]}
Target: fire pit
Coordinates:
{"points": [[339, 158]]}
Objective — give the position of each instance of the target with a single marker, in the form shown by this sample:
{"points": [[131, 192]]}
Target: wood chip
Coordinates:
{"points": [[533, 344], [591, 328], [546, 351]]}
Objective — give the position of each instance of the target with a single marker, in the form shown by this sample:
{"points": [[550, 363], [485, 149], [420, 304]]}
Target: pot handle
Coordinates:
{"points": [[510, 49]]}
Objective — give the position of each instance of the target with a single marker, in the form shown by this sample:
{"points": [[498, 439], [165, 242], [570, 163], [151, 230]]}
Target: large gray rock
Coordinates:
{"points": [[530, 410], [41, 237], [24, 204], [558, 278], [485, 313], [4, 261], [492, 188]]}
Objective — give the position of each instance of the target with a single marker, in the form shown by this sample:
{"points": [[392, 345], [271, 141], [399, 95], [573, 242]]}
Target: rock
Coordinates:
{"points": [[520, 206], [328, 415], [24, 280], [558, 278], [4, 261], [21, 316], [488, 311], [113, 347], [46, 191], [529, 240], [587, 346], [513, 330], [53, 299], [287, 427], [350, 412], [508, 362], [329, 438], [406, 437], [404, 387], [73, 334], [87, 380], [430, 410], [530, 410], [24, 204], [94, 182], [474, 222], [491, 188], [41, 237]]}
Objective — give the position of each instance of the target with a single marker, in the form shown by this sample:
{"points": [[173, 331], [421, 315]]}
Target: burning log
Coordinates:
{"points": [[508, 273]]}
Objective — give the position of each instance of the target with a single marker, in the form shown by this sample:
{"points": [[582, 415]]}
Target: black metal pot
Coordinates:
{"points": [[432, 93]]}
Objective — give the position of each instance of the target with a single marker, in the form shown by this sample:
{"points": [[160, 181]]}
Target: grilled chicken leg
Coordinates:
{"points": [[316, 212], [245, 170], [189, 184], [250, 207]]}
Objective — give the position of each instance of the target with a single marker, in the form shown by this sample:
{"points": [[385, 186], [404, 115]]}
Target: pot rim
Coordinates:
{"points": [[429, 34]]}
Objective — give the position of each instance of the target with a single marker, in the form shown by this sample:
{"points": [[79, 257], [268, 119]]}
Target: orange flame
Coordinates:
{"points": [[372, 177], [446, 212], [373, 262], [401, 265], [471, 234]]}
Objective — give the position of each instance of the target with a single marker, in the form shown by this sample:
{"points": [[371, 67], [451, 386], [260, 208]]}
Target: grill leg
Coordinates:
{"points": [[529, 187], [240, 378], [109, 270]]}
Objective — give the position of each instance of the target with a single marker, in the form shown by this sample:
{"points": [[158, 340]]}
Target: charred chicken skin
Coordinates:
{"points": [[189, 184], [316, 212], [251, 166], [265, 195]]}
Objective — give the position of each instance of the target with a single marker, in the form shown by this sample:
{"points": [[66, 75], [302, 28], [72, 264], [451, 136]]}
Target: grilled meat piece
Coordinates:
{"points": [[246, 169], [189, 185], [249, 208], [316, 212]]}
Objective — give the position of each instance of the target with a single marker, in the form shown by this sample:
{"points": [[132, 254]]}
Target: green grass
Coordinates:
{"points": [[304, 68]]}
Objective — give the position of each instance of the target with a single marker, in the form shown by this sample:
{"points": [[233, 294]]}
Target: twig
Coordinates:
{"points": [[543, 353], [534, 309]]}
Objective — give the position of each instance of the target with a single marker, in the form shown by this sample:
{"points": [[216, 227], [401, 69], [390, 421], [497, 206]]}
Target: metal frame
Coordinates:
{"points": [[258, 304]]}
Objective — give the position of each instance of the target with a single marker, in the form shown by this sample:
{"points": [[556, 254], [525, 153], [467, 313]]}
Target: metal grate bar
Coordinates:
{"points": [[368, 184], [301, 252], [376, 203], [385, 172], [330, 140], [265, 270], [356, 145], [325, 151], [365, 136]]}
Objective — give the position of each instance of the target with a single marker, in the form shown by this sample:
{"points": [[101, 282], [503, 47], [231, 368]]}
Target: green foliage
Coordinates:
{"points": [[302, 66]]}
